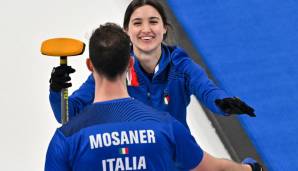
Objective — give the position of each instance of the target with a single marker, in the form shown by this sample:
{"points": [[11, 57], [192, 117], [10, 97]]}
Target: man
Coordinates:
{"points": [[117, 132]]}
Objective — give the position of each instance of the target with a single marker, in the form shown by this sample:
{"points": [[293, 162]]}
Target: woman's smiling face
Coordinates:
{"points": [[146, 29]]}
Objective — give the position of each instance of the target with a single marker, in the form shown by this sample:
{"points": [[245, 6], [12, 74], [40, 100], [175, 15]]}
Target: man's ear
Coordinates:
{"points": [[89, 64]]}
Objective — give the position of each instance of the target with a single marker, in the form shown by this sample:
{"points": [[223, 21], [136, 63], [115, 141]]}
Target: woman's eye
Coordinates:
{"points": [[153, 22], [137, 23]]}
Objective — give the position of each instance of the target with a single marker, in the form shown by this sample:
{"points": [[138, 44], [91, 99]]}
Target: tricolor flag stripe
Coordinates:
{"points": [[123, 150], [166, 100], [131, 77]]}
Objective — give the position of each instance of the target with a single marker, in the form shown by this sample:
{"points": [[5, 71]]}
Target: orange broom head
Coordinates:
{"points": [[62, 47]]}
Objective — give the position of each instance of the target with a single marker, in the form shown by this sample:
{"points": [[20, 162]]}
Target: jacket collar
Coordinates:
{"points": [[161, 68]]}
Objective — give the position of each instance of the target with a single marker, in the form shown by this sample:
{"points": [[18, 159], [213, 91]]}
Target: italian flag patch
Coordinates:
{"points": [[166, 100], [123, 150]]}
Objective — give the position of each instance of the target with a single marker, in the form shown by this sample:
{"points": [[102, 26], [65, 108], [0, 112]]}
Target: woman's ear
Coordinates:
{"points": [[125, 30], [89, 64], [165, 29]]}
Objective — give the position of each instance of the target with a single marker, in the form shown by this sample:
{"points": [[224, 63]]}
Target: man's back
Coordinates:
{"points": [[122, 134]]}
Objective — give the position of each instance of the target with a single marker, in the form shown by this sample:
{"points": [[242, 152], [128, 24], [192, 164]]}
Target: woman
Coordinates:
{"points": [[161, 76]]}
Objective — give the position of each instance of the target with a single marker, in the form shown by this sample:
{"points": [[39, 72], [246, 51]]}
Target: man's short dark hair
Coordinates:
{"points": [[109, 50]]}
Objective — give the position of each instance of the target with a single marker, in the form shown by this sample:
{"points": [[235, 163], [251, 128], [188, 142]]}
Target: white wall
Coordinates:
{"points": [[27, 122]]}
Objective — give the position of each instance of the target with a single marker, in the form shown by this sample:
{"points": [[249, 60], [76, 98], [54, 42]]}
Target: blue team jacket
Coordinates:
{"points": [[177, 78], [122, 134]]}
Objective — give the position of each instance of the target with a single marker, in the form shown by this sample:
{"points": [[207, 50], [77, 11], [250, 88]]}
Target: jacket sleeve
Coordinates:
{"points": [[198, 83], [57, 155], [188, 153], [76, 102]]}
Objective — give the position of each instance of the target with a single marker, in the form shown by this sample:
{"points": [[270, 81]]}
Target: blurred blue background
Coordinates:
{"points": [[250, 47]]}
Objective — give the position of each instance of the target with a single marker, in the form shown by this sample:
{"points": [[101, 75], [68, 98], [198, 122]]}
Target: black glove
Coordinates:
{"points": [[234, 106], [255, 166], [60, 77]]}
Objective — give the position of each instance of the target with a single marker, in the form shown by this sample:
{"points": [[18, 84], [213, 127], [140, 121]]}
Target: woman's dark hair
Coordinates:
{"points": [[135, 4], [109, 50]]}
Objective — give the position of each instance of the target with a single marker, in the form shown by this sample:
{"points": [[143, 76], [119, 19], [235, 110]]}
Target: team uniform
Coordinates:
{"points": [[122, 134], [176, 78]]}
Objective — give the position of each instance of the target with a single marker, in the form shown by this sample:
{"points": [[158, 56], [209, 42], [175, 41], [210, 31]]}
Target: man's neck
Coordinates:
{"points": [[106, 90]]}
